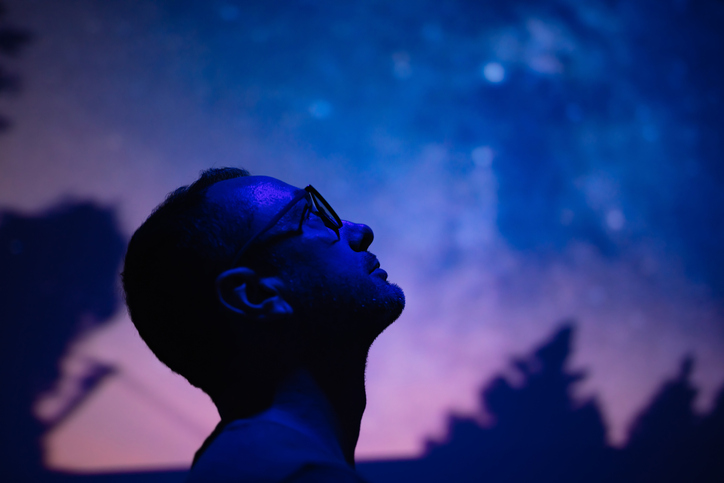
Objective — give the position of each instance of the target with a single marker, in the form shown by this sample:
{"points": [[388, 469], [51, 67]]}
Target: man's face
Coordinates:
{"points": [[333, 283]]}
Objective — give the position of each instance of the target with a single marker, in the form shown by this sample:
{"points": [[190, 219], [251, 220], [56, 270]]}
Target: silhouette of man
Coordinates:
{"points": [[259, 294]]}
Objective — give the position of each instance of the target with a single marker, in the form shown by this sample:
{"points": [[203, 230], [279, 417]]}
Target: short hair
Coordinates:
{"points": [[169, 276]]}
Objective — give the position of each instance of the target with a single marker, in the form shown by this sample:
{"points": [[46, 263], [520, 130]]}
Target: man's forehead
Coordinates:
{"points": [[258, 191]]}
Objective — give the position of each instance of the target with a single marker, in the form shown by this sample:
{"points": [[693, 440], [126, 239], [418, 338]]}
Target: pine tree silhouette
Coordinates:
{"points": [[660, 442], [709, 444], [540, 433], [670, 443]]}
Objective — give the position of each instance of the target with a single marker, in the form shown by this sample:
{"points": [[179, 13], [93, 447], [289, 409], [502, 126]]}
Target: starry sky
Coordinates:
{"points": [[522, 163]]}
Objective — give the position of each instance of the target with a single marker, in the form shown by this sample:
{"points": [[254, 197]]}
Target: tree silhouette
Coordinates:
{"points": [[660, 446], [709, 443], [670, 443], [58, 278], [12, 40], [540, 433]]}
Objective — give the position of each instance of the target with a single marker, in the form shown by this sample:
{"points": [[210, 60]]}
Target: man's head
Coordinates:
{"points": [[302, 288]]}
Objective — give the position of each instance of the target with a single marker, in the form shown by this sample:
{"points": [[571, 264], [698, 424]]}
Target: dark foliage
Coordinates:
{"points": [[541, 434], [58, 278], [12, 40], [669, 443]]}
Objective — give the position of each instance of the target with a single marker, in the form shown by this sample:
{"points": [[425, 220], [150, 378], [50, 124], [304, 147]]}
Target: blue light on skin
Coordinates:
{"points": [[330, 286], [316, 255], [267, 195]]}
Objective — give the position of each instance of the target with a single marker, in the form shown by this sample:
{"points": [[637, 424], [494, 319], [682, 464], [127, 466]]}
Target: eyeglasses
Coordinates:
{"points": [[315, 202]]}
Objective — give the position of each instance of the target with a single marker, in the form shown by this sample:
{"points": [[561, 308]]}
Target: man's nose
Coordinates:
{"points": [[359, 236]]}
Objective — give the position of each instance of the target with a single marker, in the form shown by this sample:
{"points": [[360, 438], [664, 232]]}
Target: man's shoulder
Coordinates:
{"points": [[265, 451]]}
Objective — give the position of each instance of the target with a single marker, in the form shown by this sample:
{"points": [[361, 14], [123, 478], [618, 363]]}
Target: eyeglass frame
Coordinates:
{"points": [[328, 216]]}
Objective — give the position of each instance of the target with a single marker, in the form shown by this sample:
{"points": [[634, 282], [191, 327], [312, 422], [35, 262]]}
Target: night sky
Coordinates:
{"points": [[522, 163]]}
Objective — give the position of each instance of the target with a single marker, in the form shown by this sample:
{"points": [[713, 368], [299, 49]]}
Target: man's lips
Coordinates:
{"points": [[376, 270], [371, 262], [381, 273]]}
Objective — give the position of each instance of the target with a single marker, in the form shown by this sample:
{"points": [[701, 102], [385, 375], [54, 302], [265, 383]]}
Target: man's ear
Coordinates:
{"points": [[242, 291]]}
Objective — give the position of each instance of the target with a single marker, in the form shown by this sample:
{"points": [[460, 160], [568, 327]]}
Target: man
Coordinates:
{"points": [[259, 294]]}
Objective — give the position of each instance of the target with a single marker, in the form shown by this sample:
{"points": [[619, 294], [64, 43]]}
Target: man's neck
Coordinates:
{"points": [[327, 405], [343, 385], [300, 404]]}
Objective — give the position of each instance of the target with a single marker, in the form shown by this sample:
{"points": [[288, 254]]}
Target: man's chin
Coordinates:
{"points": [[398, 303], [388, 308], [363, 312]]}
